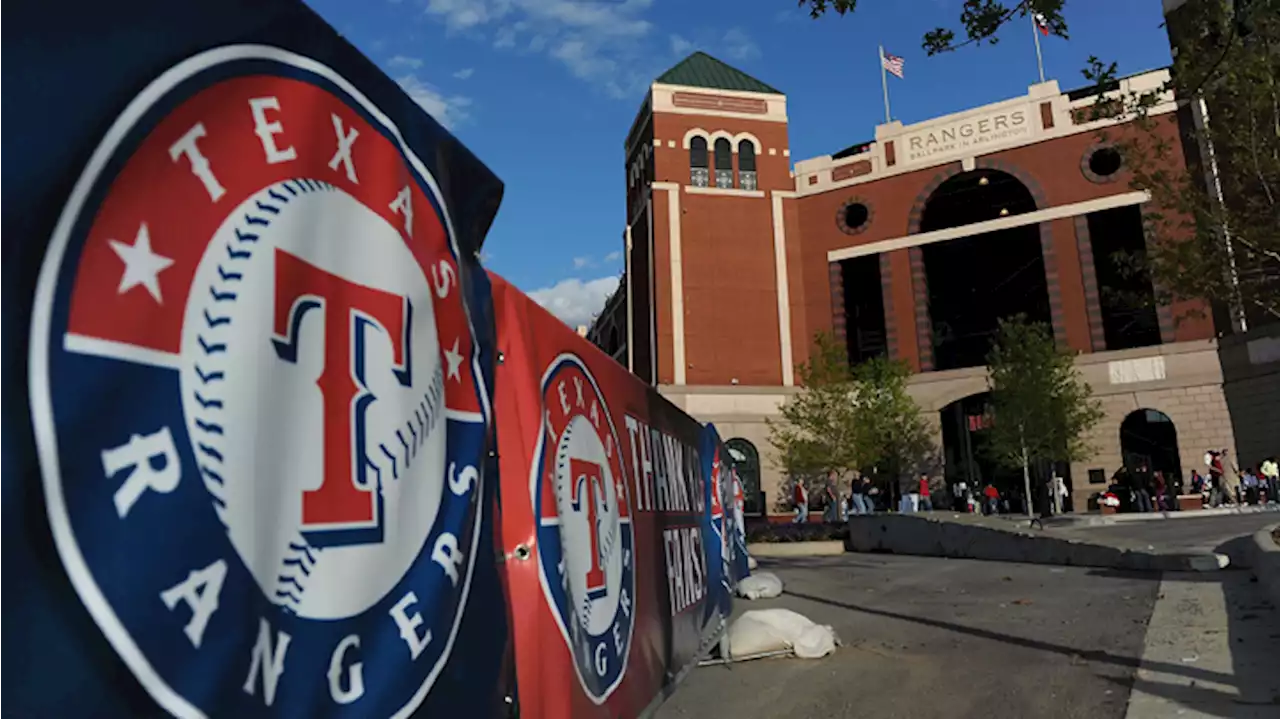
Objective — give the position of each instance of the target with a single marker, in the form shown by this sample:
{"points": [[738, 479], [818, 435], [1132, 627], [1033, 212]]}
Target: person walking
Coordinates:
{"points": [[870, 493], [800, 498], [1142, 487], [1162, 499], [1271, 477], [830, 501], [992, 503], [858, 496], [926, 502]]}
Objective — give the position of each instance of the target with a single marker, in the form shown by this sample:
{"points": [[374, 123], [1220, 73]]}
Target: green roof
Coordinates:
{"points": [[702, 70]]}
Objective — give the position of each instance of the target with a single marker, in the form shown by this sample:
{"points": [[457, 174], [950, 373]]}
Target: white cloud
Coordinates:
{"points": [[401, 62], [448, 110], [464, 73], [581, 262], [680, 46], [465, 14], [739, 46], [613, 256], [576, 302], [599, 41]]}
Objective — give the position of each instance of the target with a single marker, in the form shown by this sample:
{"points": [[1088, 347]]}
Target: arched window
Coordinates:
{"points": [[746, 165], [724, 163], [747, 461], [698, 173]]}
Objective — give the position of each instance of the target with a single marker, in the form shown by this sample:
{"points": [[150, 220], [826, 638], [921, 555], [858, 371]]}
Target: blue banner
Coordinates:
{"points": [[720, 527], [253, 475]]}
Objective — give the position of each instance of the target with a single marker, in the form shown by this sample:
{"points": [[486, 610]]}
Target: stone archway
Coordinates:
{"points": [[1150, 436], [966, 284]]}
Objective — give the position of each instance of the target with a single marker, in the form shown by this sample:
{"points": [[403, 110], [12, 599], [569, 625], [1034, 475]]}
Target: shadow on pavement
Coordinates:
{"points": [[1090, 655]]}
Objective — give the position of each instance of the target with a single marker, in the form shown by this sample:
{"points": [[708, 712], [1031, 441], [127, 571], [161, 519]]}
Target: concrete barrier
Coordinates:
{"points": [[796, 549], [1265, 563], [968, 537]]}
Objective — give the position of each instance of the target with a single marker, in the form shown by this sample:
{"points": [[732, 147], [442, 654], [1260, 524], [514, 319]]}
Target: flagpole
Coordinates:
{"points": [[1035, 34], [884, 83]]}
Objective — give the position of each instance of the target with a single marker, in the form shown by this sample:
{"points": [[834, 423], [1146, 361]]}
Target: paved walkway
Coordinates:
{"points": [[1228, 632], [1184, 535], [928, 637]]}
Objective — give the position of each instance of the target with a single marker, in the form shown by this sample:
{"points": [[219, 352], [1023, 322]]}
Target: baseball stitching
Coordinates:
{"points": [[606, 541], [300, 557]]}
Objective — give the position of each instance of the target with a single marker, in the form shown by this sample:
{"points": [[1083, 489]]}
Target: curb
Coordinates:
{"points": [[796, 549], [935, 537]]}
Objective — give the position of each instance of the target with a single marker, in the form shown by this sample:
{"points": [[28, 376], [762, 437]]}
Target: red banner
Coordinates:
{"points": [[602, 494]]}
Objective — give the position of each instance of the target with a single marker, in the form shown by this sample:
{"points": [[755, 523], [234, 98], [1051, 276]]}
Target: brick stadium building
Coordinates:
{"points": [[910, 245]]}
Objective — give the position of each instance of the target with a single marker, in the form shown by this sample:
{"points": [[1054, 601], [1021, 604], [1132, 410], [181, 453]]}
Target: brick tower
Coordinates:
{"points": [[708, 178]]}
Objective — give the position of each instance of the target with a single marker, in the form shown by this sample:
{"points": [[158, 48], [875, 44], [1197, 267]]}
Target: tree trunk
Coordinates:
{"points": [[1026, 477]]}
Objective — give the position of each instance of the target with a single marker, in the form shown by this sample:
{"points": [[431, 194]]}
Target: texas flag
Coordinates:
{"points": [[1042, 24]]}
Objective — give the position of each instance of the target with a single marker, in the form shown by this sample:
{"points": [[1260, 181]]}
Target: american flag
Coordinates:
{"points": [[893, 64], [1041, 24]]}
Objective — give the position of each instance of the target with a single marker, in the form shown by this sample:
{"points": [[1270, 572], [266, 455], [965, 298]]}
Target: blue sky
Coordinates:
{"points": [[545, 90]]}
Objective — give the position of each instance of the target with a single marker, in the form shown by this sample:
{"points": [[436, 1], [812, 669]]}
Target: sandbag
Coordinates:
{"points": [[770, 630], [749, 636], [760, 585]]}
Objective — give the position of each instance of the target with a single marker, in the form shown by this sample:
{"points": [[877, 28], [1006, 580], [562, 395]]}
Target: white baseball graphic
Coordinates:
{"points": [[580, 441], [256, 422]]}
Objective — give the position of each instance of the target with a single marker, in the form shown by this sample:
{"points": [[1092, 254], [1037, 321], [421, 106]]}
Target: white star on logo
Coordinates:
{"points": [[141, 265], [454, 359]]}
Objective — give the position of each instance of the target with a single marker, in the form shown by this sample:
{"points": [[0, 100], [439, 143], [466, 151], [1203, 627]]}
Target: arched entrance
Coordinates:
{"points": [[747, 461], [975, 281], [1149, 435], [966, 441]]}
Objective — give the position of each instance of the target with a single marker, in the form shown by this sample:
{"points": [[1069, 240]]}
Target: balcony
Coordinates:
{"points": [[724, 178], [747, 179], [699, 176]]}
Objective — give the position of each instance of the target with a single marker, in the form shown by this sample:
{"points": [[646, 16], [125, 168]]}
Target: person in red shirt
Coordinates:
{"points": [[993, 499], [926, 504], [800, 497]]}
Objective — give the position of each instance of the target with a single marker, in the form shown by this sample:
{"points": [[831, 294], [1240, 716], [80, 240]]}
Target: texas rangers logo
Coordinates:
{"points": [[254, 389], [585, 539]]}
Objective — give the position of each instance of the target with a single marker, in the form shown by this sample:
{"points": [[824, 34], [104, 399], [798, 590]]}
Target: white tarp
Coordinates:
{"points": [[761, 585], [760, 631]]}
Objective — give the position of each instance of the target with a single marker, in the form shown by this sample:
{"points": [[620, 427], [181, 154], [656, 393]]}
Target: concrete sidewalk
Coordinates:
{"points": [[1093, 519], [967, 536]]}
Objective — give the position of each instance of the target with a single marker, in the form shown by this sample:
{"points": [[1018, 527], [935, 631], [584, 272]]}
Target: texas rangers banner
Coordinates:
{"points": [[716, 531], [251, 477], [725, 529], [603, 500]]}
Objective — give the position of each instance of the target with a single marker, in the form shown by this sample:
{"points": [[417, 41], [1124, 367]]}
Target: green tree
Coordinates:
{"points": [[1212, 221], [981, 20], [848, 420], [891, 434], [1042, 407], [818, 432]]}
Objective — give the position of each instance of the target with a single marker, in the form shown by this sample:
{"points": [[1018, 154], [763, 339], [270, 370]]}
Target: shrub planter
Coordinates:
{"points": [[813, 539], [827, 548]]}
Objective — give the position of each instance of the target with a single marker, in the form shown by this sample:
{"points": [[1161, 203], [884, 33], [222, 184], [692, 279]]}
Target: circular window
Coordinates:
{"points": [[853, 217], [1102, 163]]}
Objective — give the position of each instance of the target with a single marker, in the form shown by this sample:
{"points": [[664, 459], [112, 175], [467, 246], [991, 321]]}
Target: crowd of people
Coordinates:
{"points": [[1132, 489], [1222, 484], [916, 495]]}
